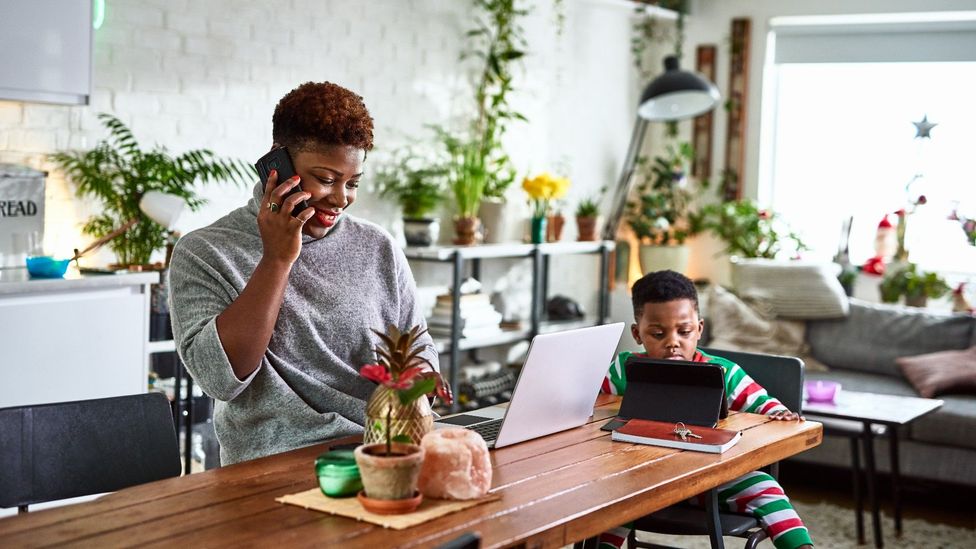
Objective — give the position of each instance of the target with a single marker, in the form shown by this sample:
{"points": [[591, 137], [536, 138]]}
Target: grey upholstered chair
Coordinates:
{"points": [[70, 449], [782, 377]]}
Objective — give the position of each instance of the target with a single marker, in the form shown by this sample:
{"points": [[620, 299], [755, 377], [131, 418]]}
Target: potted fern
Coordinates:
{"points": [[396, 419], [417, 180], [118, 172]]}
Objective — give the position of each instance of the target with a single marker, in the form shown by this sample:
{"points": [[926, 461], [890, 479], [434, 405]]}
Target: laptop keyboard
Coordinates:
{"points": [[488, 430]]}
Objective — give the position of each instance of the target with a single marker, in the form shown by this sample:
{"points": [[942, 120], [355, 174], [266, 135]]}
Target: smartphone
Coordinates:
{"points": [[279, 159]]}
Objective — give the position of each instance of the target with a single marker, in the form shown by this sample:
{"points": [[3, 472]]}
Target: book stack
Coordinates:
{"points": [[478, 317]]}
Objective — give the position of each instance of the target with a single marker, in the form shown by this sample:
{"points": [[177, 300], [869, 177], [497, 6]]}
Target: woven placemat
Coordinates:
{"points": [[350, 507]]}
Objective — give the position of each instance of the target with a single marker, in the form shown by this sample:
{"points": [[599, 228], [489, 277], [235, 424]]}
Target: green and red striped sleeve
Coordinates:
{"points": [[744, 394]]}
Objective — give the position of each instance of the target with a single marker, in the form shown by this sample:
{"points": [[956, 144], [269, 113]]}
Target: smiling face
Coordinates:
{"points": [[669, 330], [331, 175]]}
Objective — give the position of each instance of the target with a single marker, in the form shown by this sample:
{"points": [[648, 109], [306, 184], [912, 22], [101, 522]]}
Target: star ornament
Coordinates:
{"points": [[923, 128]]}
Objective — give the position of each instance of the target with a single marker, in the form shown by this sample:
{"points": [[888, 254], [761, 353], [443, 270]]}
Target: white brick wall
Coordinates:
{"points": [[188, 74]]}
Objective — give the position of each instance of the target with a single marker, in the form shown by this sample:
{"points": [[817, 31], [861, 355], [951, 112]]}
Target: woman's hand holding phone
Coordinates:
{"points": [[281, 233]]}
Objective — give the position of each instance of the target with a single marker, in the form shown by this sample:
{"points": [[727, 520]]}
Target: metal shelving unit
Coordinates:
{"points": [[460, 257]]}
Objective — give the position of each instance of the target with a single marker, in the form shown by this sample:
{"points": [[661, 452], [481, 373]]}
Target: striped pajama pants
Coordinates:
{"points": [[756, 494]]}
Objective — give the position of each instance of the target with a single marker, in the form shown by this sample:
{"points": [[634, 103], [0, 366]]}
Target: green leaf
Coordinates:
{"points": [[402, 439], [413, 393]]}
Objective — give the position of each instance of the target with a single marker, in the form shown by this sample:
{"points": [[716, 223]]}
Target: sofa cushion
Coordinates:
{"points": [[792, 289], [953, 424], [873, 335], [734, 325], [941, 373]]}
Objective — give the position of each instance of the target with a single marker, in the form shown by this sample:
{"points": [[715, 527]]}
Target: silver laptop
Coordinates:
{"points": [[555, 391]]}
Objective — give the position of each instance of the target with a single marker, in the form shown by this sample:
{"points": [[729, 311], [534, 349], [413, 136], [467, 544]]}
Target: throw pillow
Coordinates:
{"points": [[792, 289], [735, 325], [941, 373]]}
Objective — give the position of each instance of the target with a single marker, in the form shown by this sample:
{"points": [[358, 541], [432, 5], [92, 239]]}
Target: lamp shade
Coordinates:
{"points": [[677, 94], [162, 208]]}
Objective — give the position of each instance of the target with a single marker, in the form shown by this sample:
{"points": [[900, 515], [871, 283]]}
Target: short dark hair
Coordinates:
{"points": [[661, 287], [321, 114]]}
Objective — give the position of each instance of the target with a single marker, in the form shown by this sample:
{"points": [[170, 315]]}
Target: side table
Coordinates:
{"points": [[862, 416]]}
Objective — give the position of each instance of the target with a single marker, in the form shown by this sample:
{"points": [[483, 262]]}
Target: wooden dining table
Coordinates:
{"points": [[553, 490]]}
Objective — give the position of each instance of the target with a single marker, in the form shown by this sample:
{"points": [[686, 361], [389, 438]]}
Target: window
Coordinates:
{"points": [[840, 141]]}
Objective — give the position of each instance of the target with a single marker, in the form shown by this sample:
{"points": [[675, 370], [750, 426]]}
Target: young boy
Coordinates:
{"points": [[668, 325]]}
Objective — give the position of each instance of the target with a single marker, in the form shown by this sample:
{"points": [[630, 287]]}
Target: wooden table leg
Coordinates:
{"points": [[858, 494], [869, 462], [895, 478]]}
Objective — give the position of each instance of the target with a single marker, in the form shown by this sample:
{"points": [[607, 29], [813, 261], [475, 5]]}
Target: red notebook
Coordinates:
{"points": [[659, 433]]}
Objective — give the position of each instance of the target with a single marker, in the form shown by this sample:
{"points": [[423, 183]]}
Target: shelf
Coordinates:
{"points": [[513, 249], [163, 346], [553, 326], [443, 344]]}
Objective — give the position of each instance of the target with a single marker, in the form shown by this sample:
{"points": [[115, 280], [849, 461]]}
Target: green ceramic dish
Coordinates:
{"points": [[338, 474]]}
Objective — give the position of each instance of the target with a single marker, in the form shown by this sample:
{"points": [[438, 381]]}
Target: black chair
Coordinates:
{"points": [[469, 540], [782, 377], [70, 449]]}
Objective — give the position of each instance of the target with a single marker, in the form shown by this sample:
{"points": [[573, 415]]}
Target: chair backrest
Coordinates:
{"points": [[781, 376], [70, 449], [469, 540]]}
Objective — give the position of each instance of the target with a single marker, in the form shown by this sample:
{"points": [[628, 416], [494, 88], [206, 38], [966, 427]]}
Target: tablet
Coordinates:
{"points": [[672, 391]]}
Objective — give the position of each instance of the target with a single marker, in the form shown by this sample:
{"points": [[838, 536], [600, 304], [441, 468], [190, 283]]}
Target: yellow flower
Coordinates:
{"points": [[543, 188]]}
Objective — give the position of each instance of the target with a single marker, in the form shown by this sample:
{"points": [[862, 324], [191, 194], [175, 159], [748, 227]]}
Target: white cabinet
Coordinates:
{"points": [[76, 338], [46, 50]]}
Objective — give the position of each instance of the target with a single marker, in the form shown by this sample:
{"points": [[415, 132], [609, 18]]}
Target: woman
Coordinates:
{"points": [[272, 313]]}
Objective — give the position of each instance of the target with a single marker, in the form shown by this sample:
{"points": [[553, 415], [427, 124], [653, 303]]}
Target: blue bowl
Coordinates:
{"points": [[45, 266]]}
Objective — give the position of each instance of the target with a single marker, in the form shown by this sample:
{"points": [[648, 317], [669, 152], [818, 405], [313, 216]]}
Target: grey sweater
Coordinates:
{"points": [[307, 388]]}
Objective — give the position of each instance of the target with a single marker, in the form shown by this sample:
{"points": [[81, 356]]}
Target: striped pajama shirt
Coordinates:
{"points": [[756, 493]]}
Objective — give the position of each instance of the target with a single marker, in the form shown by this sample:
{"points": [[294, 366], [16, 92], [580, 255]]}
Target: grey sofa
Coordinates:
{"points": [[860, 351]]}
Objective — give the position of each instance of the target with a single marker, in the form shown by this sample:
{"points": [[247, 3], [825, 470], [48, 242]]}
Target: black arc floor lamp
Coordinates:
{"points": [[674, 95]]}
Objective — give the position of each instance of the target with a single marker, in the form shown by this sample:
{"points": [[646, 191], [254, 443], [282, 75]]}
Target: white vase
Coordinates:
{"points": [[492, 214], [421, 232], [659, 258]]}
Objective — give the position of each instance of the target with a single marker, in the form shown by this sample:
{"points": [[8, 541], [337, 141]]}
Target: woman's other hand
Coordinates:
{"points": [[786, 415], [281, 234]]}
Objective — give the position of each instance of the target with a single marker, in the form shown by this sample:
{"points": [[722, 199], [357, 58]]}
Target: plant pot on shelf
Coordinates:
{"points": [[537, 229], [466, 230], [389, 477], [554, 227], [421, 231], [492, 215], [659, 258], [413, 420], [586, 228], [916, 300]]}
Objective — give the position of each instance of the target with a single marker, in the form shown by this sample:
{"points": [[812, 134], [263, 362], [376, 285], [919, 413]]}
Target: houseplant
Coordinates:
{"points": [[587, 214], [660, 215], [747, 230], [905, 279], [118, 172], [417, 180], [482, 168], [542, 190], [396, 419]]}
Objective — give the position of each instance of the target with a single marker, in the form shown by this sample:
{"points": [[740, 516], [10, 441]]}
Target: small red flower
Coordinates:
{"points": [[764, 214], [375, 372], [921, 200], [900, 213]]}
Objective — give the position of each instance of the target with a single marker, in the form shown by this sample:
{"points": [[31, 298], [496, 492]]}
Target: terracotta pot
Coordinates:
{"points": [[554, 228], [389, 506], [413, 420], [389, 477], [466, 230], [586, 228]]}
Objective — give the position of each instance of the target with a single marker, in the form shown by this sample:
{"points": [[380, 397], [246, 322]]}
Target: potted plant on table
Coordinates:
{"points": [[417, 180], [906, 280], [747, 230], [118, 173], [396, 419]]}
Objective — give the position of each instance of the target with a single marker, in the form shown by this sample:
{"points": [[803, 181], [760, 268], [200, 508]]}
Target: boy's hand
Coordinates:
{"points": [[786, 415]]}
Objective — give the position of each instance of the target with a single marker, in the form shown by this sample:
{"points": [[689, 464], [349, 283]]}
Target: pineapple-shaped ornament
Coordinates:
{"points": [[397, 404]]}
